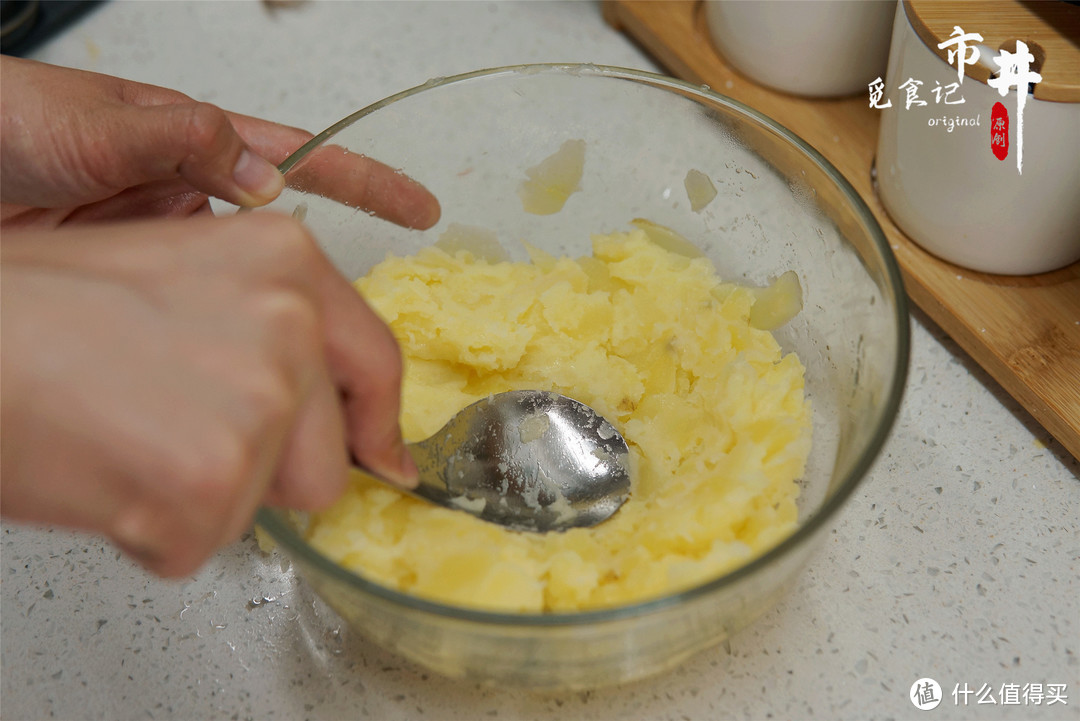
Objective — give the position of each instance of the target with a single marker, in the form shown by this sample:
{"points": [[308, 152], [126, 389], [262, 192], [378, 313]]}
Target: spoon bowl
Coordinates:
{"points": [[528, 460]]}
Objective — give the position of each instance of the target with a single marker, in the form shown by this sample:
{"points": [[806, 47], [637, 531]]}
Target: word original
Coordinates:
{"points": [[951, 124]]}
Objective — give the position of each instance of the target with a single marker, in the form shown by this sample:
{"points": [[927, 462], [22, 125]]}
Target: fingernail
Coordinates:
{"points": [[258, 176], [406, 474]]}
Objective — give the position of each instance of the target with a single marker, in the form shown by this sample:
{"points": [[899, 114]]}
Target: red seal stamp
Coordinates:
{"points": [[999, 131]]}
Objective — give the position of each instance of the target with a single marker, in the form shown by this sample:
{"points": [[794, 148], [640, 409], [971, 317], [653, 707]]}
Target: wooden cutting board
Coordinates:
{"points": [[1025, 331]]}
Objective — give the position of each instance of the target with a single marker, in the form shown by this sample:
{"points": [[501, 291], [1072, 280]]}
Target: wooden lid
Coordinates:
{"points": [[1051, 29]]}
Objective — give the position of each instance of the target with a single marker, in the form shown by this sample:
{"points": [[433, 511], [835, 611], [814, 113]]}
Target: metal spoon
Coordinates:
{"points": [[529, 460]]}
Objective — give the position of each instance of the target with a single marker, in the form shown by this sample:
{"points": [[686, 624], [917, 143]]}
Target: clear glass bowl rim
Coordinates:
{"points": [[285, 536]]}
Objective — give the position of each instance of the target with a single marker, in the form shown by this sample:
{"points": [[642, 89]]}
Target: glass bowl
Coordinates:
{"points": [[779, 206]]}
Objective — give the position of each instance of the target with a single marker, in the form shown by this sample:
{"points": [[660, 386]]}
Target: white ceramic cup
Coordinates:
{"points": [[818, 48], [948, 191]]}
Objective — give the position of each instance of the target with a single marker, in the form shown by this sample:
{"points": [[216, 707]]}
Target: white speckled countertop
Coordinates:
{"points": [[958, 559]]}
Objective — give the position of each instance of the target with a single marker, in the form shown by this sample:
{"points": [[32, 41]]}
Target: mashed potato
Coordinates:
{"points": [[713, 412]]}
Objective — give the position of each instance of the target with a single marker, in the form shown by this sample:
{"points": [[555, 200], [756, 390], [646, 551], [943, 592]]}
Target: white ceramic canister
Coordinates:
{"points": [[943, 185], [816, 48]]}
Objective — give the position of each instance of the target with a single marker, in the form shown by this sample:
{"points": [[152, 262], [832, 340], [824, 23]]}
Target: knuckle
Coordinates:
{"points": [[291, 348], [285, 246], [181, 558], [267, 224], [203, 125], [292, 317], [134, 526], [177, 567], [292, 245], [286, 251], [157, 539], [211, 474], [269, 398]]}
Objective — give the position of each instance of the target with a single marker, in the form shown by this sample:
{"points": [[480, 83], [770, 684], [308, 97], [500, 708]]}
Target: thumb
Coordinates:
{"points": [[197, 142]]}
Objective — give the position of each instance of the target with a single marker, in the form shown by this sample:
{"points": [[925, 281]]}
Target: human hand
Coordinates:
{"points": [[162, 379], [78, 146]]}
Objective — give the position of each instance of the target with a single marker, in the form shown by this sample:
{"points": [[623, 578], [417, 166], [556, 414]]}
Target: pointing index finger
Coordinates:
{"points": [[337, 173]]}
